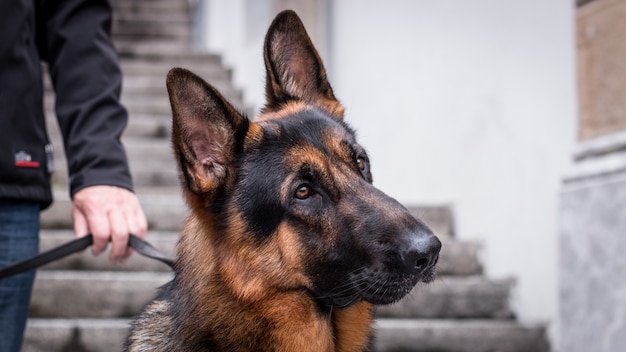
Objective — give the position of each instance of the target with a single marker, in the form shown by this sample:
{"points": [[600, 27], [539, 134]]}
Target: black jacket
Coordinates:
{"points": [[73, 37]]}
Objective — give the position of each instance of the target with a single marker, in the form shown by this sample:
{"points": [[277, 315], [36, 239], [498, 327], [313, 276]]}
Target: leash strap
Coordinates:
{"points": [[147, 250], [142, 247]]}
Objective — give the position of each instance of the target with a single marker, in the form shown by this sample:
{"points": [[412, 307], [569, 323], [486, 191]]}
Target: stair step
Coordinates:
{"points": [[148, 126], [454, 297], [140, 150], [459, 258], [156, 101], [460, 336], [164, 17], [179, 32], [149, 57], [208, 70], [145, 174], [152, 152], [438, 217], [456, 259], [163, 50], [105, 335], [76, 335], [90, 294], [152, 19], [144, 105], [114, 294], [143, 4]]}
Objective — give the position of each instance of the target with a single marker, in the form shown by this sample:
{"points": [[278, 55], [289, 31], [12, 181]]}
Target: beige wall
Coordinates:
{"points": [[602, 67]]}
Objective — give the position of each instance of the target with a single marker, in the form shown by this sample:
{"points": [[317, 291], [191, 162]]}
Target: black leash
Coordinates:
{"points": [[142, 247]]}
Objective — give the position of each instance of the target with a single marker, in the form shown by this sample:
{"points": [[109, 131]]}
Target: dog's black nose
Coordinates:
{"points": [[422, 252]]}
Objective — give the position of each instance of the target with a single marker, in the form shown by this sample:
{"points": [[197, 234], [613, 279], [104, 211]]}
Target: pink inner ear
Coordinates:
{"points": [[299, 74], [207, 143], [202, 151]]}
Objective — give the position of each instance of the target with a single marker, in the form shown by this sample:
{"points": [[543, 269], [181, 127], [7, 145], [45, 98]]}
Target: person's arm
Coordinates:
{"points": [[74, 38]]}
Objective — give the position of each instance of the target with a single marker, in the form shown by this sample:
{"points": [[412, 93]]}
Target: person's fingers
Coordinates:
{"points": [[86, 221], [81, 228], [137, 222], [136, 219], [98, 223], [119, 234]]}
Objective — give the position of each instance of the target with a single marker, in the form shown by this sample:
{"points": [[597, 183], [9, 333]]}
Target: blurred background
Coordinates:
{"points": [[501, 123]]}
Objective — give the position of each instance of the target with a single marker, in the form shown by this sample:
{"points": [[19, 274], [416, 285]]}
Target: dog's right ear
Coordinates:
{"points": [[207, 133], [294, 69]]}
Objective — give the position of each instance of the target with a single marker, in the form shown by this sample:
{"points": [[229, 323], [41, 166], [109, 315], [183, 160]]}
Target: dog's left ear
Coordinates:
{"points": [[294, 69]]}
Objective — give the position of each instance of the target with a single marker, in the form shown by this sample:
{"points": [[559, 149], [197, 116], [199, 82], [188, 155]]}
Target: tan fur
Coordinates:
{"points": [[286, 110], [244, 296], [352, 326]]}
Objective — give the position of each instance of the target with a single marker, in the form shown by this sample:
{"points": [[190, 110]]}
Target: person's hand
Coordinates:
{"points": [[108, 213]]}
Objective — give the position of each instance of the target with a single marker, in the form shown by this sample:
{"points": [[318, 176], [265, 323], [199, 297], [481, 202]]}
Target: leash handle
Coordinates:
{"points": [[141, 246]]}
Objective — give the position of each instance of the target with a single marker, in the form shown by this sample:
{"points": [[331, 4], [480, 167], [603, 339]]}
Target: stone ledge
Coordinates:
{"points": [[599, 166], [105, 335], [600, 145], [459, 336]]}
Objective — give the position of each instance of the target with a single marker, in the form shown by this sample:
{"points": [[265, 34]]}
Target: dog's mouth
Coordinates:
{"points": [[381, 289], [375, 287]]}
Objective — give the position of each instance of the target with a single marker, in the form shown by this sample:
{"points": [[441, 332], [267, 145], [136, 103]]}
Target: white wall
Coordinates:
{"points": [[235, 29], [467, 103]]}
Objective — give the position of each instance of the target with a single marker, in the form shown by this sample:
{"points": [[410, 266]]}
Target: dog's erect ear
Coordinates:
{"points": [[294, 68], [207, 133]]}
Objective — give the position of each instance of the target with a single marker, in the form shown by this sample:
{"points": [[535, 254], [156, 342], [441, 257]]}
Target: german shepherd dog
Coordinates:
{"points": [[287, 246]]}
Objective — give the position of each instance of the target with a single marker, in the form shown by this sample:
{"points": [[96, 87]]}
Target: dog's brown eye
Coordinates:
{"points": [[360, 163], [303, 191]]}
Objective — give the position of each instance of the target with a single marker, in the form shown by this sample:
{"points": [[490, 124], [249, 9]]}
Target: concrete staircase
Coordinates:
{"points": [[84, 303]]}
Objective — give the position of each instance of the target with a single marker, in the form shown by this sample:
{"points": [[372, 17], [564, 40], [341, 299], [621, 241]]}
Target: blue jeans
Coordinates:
{"points": [[19, 239]]}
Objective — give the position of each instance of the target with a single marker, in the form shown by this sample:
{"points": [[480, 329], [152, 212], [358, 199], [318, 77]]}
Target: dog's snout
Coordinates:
{"points": [[422, 252]]}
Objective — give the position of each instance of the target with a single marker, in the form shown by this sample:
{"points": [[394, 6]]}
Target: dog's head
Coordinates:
{"points": [[287, 201]]}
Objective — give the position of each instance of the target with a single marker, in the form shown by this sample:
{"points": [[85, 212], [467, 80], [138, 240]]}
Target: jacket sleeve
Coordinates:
{"points": [[74, 38]]}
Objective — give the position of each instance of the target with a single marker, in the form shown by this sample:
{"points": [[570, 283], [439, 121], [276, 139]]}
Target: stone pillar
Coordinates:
{"points": [[593, 202]]}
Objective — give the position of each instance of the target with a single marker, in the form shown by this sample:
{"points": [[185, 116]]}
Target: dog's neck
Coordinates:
{"points": [[277, 320]]}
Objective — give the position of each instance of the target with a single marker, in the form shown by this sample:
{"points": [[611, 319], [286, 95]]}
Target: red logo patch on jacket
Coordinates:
{"points": [[23, 159]]}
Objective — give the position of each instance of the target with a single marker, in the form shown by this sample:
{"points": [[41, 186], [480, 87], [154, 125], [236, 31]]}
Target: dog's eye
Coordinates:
{"points": [[303, 191], [361, 163]]}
